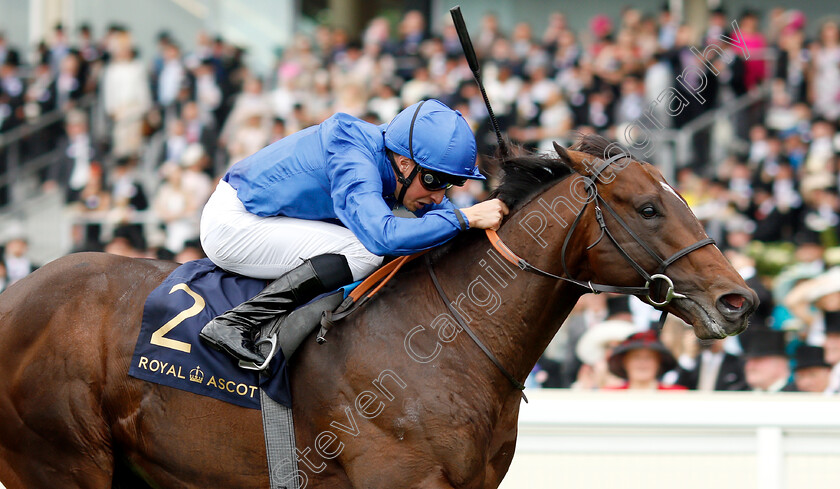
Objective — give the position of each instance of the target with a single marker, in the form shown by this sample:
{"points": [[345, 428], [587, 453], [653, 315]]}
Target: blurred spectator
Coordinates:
{"points": [[122, 246], [811, 372], [832, 349], [755, 68], [59, 47], [192, 251], [12, 91], [250, 106], [487, 34], [825, 90], [208, 94], [385, 103], [88, 48], [704, 366], [175, 142], [177, 208], [16, 262], [249, 137], [278, 130], [196, 129], [554, 125], [195, 180], [594, 348], [171, 75], [418, 88], [126, 95], [766, 365], [69, 86], [807, 299], [412, 32], [668, 28], [127, 194], [642, 360], [93, 197], [39, 97], [73, 169]]}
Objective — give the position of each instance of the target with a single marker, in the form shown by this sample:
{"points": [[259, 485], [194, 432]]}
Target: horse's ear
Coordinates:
{"points": [[567, 159], [561, 152]]}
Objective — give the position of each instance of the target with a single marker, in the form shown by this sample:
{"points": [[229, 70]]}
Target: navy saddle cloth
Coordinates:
{"points": [[169, 351]]}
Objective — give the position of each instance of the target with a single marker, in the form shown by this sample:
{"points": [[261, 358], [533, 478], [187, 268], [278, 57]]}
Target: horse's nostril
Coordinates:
{"points": [[734, 301]]}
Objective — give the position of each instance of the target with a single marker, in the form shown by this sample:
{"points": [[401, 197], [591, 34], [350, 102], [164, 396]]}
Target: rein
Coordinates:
{"points": [[371, 285], [518, 385], [364, 292]]}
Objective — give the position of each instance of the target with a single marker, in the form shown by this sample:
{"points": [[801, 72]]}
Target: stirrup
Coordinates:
{"points": [[253, 366]]}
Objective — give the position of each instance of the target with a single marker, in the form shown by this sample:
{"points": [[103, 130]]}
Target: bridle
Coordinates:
{"points": [[593, 196], [599, 203]]}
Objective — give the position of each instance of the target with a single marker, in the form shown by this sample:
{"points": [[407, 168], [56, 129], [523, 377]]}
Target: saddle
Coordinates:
{"points": [[287, 335]]}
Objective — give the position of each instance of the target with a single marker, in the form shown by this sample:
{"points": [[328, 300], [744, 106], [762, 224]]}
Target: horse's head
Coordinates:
{"points": [[633, 229]]}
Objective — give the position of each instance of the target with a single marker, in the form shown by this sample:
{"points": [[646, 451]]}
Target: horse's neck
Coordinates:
{"points": [[515, 313]]}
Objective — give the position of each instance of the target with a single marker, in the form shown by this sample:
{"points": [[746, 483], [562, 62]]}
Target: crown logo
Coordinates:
{"points": [[196, 375]]}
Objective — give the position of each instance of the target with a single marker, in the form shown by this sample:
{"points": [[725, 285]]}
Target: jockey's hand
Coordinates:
{"points": [[487, 214]]}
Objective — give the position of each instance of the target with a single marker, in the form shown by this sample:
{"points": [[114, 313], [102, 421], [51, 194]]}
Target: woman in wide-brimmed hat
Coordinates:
{"points": [[641, 360], [594, 348]]}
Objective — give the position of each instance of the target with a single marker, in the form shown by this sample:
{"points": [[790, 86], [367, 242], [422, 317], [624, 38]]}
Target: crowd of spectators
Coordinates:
{"points": [[195, 109]]}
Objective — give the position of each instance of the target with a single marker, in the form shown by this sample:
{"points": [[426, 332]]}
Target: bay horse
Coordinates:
{"points": [[397, 397]]}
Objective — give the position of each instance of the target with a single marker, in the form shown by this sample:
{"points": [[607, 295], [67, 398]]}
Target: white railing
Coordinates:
{"points": [[680, 440]]}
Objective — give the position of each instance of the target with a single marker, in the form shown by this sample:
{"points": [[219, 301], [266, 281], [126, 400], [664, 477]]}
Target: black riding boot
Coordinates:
{"points": [[233, 331]]}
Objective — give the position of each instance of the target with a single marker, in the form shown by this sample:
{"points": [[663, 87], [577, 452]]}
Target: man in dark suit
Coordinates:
{"points": [[12, 90], [767, 367], [811, 373], [712, 369]]}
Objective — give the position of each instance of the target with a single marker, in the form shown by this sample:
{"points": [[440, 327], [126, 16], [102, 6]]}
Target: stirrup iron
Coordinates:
{"points": [[272, 340]]}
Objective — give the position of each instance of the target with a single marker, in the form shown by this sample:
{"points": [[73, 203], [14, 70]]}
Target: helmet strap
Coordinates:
{"points": [[406, 181]]}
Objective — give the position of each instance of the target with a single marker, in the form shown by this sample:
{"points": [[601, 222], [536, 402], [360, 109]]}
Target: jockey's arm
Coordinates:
{"points": [[356, 191]]}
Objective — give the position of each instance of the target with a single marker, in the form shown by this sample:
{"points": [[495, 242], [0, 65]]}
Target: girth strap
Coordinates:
{"points": [[470, 332]]}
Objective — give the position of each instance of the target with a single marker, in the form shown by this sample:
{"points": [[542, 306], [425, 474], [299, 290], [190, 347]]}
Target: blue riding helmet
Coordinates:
{"points": [[439, 138]]}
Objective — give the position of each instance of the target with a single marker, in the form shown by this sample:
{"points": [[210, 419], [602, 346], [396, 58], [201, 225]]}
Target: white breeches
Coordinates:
{"points": [[268, 247]]}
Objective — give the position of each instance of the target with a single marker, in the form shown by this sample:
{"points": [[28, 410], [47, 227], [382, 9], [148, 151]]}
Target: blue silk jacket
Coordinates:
{"points": [[339, 170]]}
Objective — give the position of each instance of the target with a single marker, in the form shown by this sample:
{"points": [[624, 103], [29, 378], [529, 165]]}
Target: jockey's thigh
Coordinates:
{"points": [[268, 247]]}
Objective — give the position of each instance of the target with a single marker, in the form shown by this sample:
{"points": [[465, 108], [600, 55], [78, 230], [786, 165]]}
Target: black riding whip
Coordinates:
{"points": [[469, 52]]}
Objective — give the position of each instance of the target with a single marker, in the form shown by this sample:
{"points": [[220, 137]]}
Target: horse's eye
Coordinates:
{"points": [[648, 212]]}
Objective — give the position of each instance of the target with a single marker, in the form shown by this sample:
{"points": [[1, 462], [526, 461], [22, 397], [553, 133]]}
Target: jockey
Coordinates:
{"points": [[313, 211]]}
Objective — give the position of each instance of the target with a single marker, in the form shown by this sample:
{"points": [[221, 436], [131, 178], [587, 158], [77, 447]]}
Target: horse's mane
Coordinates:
{"points": [[525, 175]]}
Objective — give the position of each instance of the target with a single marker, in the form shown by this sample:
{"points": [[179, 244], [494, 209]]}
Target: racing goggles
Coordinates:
{"points": [[434, 180]]}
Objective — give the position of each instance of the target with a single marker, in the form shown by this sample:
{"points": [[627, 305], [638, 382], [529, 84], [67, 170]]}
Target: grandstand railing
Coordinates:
{"points": [[652, 440], [673, 147]]}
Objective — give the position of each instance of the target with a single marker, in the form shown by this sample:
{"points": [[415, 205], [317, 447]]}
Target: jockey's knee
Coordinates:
{"points": [[363, 263]]}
